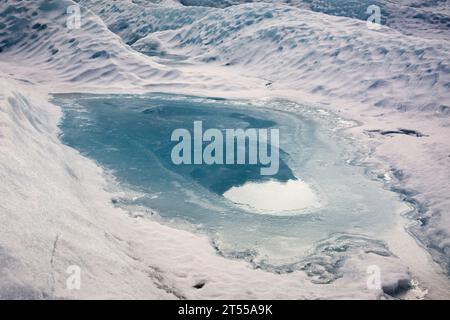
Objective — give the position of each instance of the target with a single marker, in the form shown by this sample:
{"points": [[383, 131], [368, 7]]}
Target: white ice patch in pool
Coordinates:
{"points": [[273, 197]]}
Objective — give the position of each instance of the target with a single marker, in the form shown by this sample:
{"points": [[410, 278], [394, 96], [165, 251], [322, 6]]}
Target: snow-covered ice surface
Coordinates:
{"points": [[55, 212], [428, 19]]}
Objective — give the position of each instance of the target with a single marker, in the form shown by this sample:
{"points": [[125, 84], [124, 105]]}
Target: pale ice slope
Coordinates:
{"points": [[34, 34], [46, 221], [427, 18], [134, 20], [333, 57]]}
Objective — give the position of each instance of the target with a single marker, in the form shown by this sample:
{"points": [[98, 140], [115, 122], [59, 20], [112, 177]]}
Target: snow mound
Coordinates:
{"points": [[35, 35], [429, 19], [346, 8], [133, 21], [319, 54]]}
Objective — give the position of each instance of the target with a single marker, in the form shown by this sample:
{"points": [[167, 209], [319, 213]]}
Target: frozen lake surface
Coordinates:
{"points": [[276, 220]]}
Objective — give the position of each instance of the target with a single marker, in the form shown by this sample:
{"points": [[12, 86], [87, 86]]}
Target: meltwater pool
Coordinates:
{"points": [[316, 193]]}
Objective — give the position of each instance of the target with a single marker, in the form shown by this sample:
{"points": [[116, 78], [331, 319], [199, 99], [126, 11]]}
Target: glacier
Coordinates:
{"points": [[56, 207]]}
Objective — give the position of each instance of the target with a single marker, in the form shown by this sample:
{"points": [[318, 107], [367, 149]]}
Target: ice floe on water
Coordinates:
{"points": [[278, 198]]}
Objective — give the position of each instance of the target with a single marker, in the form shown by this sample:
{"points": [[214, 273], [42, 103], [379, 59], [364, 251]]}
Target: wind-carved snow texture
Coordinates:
{"points": [[427, 19], [316, 53], [133, 21], [321, 55], [36, 34], [327, 261]]}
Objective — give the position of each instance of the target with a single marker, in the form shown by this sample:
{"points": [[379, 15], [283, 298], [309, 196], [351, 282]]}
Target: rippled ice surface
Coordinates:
{"points": [[323, 194]]}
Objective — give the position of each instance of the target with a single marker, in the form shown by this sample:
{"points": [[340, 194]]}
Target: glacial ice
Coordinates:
{"points": [[404, 66]]}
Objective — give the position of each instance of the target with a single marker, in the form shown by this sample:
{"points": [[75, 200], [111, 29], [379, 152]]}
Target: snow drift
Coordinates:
{"points": [[333, 57], [427, 19], [319, 54]]}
